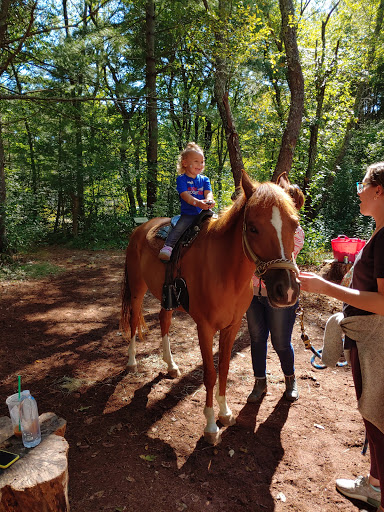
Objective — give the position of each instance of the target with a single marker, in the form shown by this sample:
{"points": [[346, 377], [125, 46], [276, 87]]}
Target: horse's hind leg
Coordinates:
{"points": [[132, 318], [165, 323]]}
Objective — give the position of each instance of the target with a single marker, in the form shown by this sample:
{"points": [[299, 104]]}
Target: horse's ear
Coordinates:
{"points": [[283, 181], [247, 184]]}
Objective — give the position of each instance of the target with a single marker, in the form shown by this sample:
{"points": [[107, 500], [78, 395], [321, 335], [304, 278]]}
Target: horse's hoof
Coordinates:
{"points": [[132, 368], [174, 373], [228, 420], [212, 437]]}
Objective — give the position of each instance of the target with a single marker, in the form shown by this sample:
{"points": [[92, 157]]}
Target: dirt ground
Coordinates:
{"points": [[136, 440]]}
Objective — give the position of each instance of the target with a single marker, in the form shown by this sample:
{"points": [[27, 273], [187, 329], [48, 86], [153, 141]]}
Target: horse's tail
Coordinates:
{"points": [[126, 311]]}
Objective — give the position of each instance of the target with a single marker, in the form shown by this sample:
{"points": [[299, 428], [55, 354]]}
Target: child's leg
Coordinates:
{"points": [[182, 224]]}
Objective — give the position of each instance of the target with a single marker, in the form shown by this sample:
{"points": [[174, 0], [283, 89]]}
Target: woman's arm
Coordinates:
{"points": [[367, 301]]}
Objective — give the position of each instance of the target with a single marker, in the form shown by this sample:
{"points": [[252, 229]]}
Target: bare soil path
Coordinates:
{"points": [[136, 439]]}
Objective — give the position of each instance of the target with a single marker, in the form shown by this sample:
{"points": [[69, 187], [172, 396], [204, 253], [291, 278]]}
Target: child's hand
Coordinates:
{"points": [[210, 203]]}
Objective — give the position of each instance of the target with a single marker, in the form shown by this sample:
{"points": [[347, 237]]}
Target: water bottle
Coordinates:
{"points": [[29, 419]]}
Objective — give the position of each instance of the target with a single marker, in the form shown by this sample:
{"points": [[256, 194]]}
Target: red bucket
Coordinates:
{"points": [[344, 246]]}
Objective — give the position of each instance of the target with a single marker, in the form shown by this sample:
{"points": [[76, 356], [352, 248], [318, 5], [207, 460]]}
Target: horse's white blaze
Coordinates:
{"points": [[167, 354], [211, 423], [277, 223], [224, 410], [132, 352], [289, 294]]}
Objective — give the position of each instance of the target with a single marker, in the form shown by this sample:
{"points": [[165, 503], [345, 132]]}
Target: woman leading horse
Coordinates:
{"points": [[256, 231]]}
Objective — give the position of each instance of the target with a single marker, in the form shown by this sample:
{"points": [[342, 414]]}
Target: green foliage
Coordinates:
{"points": [[107, 232], [315, 247], [89, 146], [30, 270]]}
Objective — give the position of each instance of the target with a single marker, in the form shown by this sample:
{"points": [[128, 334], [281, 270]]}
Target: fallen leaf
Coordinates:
{"points": [[149, 458]]}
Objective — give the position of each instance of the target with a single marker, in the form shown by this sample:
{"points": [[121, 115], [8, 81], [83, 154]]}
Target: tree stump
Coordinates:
{"points": [[38, 481]]}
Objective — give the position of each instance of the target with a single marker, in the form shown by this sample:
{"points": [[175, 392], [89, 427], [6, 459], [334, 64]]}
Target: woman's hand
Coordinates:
{"points": [[311, 282]]}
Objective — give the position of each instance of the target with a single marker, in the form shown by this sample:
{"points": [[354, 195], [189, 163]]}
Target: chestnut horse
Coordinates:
{"points": [[257, 230]]}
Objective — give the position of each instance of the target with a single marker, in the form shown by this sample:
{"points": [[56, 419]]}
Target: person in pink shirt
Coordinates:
{"points": [[263, 319]]}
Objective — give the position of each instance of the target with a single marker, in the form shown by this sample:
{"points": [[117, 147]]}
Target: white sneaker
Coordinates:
{"points": [[359, 489]]}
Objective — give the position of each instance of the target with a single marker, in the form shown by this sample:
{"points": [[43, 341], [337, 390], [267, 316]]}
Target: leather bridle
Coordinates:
{"points": [[263, 266]]}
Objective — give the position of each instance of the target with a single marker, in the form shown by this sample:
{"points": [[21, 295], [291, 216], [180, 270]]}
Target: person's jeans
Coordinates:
{"points": [[264, 319], [182, 224]]}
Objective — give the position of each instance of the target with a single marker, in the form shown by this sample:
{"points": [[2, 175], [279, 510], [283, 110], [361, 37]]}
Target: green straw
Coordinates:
{"points": [[19, 389]]}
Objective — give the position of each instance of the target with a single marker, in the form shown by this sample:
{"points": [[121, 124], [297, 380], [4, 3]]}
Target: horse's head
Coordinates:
{"points": [[270, 222]]}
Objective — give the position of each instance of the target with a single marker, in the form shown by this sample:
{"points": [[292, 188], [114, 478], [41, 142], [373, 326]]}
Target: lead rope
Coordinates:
{"points": [[307, 342]]}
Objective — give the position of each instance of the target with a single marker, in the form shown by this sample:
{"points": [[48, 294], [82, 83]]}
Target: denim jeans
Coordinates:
{"points": [[182, 224], [264, 319]]}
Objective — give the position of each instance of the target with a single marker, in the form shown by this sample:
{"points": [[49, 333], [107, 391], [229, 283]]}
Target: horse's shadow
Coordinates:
{"points": [[249, 457]]}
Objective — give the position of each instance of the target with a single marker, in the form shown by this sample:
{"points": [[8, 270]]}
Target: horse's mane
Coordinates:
{"points": [[229, 215], [269, 194], [265, 195]]}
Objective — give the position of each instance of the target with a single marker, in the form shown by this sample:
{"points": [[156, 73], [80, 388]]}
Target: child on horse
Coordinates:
{"points": [[195, 193]]}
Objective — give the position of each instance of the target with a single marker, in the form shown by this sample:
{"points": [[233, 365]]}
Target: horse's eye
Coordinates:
{"points": [[253, 229]]}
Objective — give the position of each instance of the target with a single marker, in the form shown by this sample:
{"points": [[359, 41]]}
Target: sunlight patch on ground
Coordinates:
{"points": [[45, 366], [59, 314]]}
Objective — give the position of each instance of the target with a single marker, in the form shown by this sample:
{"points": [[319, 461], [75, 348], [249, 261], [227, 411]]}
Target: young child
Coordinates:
{"points": [[195, 193]]}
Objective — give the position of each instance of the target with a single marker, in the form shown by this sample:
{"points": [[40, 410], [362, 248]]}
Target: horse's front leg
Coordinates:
{"points": [[227, 337], [211, 431], [132, 364], [165, 323]]}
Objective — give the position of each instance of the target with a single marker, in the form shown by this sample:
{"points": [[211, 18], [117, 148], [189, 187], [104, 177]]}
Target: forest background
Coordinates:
{"points": [[97, 98]]}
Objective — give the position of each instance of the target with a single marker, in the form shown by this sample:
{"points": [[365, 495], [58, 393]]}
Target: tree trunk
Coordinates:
{"points": [[296, 86], [4, 247], [221, 96], [151, 106], [321, 80], [124, 167]]}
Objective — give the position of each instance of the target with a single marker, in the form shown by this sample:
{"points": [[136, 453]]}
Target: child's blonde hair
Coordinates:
{"points": [[191, 146]]}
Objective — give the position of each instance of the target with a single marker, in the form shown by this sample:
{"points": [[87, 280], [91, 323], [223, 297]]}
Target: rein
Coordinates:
{"points": [[263, 266]]}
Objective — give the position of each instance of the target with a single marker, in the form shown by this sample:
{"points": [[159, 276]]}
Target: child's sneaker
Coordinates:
{"points": [[165, 253]]}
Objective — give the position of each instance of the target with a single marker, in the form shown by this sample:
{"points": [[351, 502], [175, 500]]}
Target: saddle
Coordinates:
{"points": [[189, 234], [175, 291]]}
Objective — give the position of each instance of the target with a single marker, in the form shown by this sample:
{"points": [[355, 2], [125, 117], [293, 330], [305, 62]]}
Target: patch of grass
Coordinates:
{"points": [[29, 270], [70, 384]]}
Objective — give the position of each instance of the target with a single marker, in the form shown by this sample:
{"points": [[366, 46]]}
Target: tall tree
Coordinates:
{"points": [[323, 72], [296, 86], [222, 95], [9, 50], [150, 59]]}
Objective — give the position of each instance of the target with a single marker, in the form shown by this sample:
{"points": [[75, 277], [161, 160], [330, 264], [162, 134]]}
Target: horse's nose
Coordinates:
{"points": [[284, 294]]}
